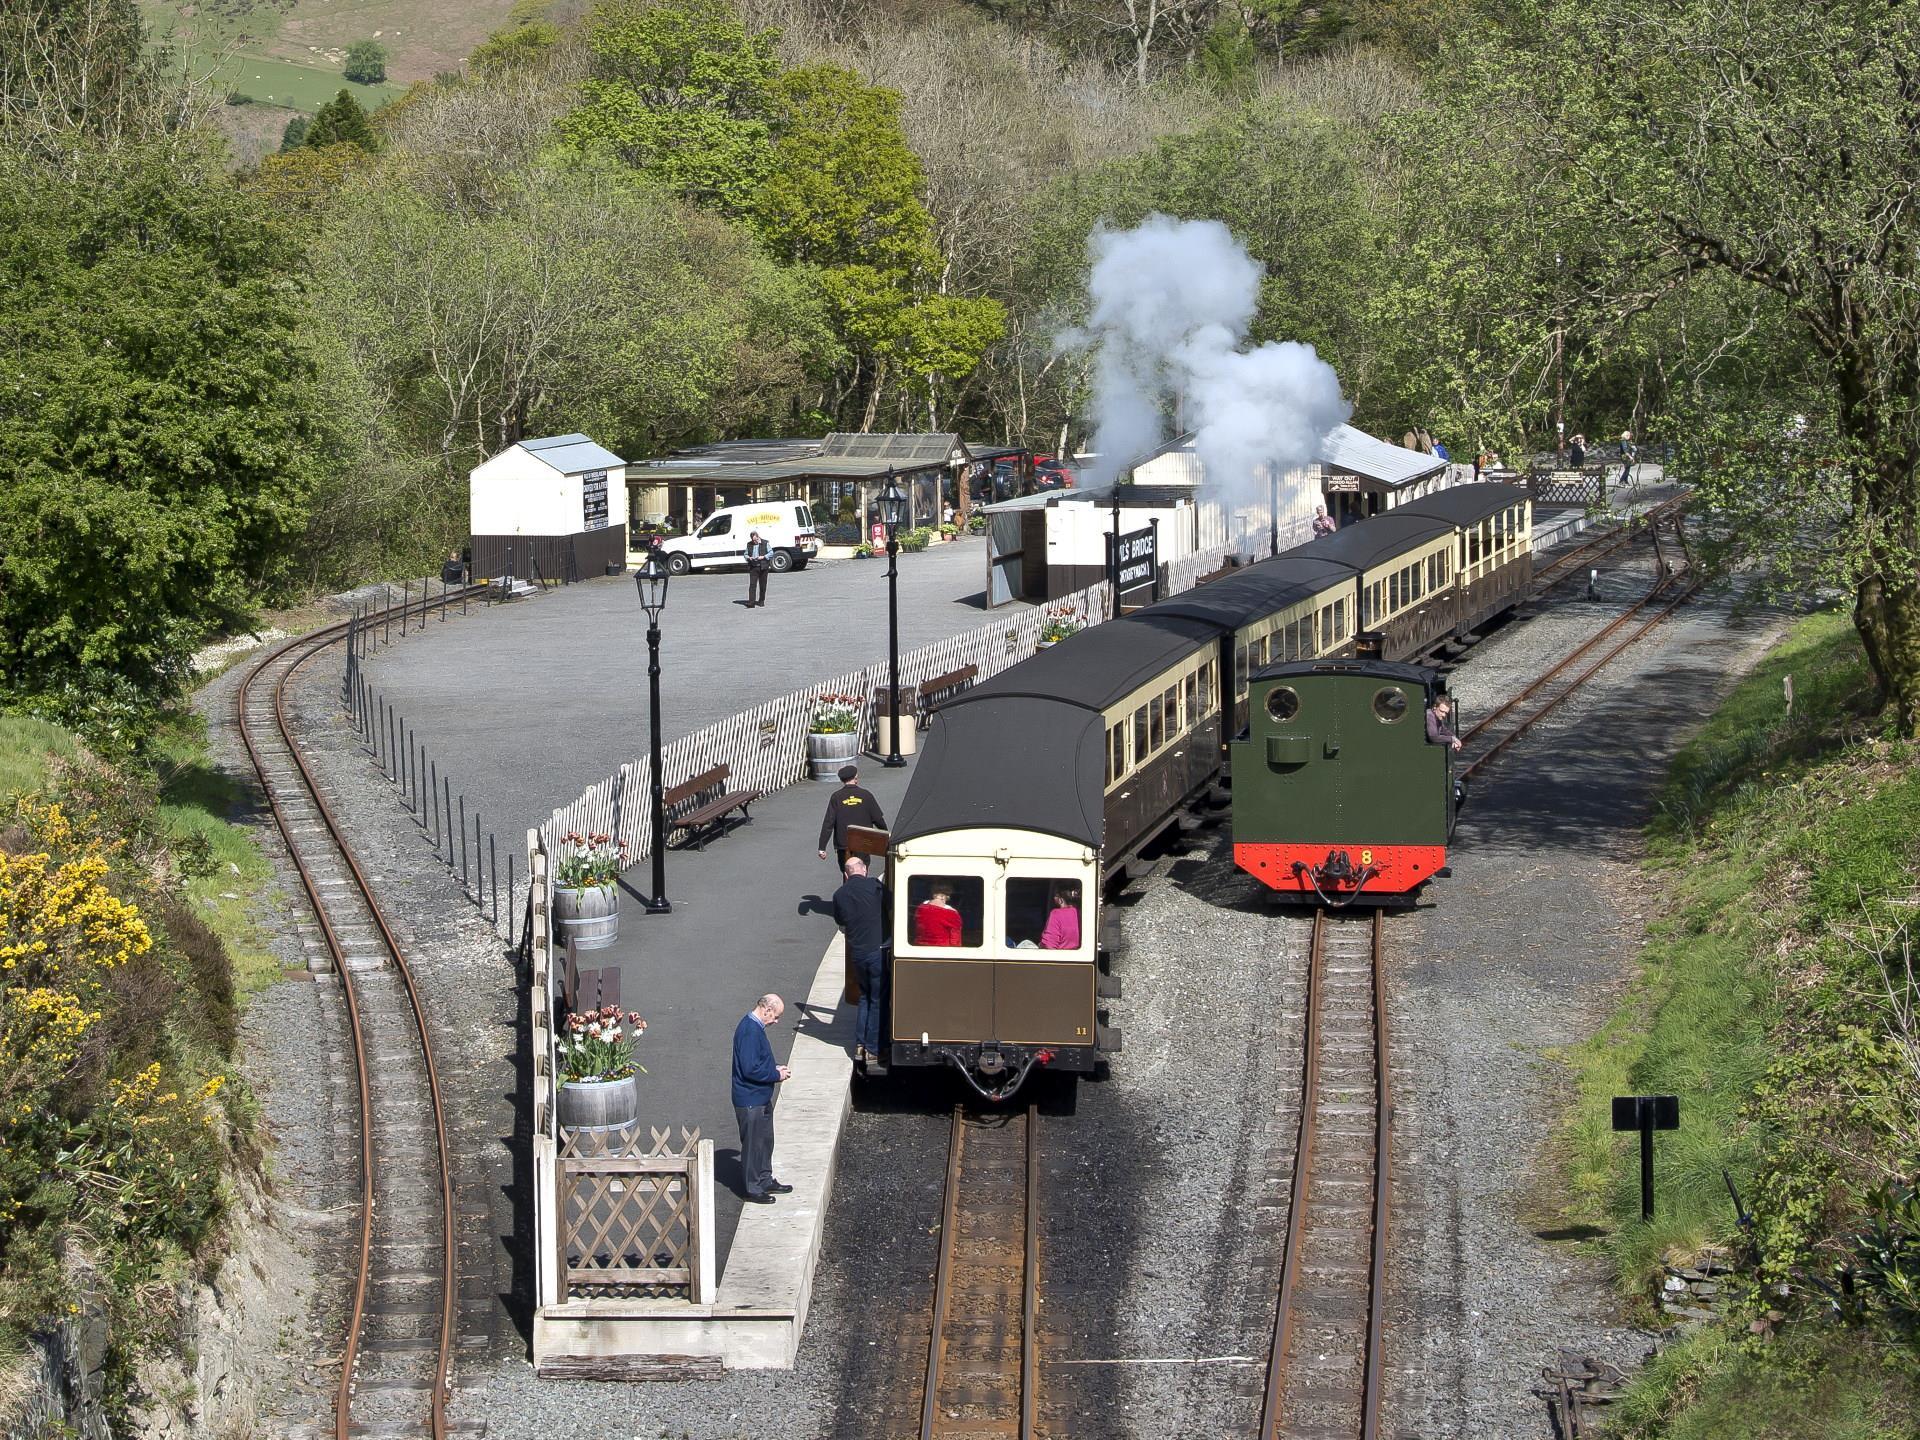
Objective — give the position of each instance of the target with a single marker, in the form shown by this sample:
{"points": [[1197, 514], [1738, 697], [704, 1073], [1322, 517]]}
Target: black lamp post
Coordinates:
{"points": [[893, 512], [651, 580], [1113, 550]]}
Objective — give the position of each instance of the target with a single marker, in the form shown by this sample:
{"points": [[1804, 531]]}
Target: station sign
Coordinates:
{"points": [[593, 500], [1342, 485], [1137, 565]]}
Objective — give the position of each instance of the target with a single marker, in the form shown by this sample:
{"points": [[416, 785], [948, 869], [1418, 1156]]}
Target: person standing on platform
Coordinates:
{"points": [[860, 910], [846, 807], [759, 562], [1323, 523], [755, 1073]]}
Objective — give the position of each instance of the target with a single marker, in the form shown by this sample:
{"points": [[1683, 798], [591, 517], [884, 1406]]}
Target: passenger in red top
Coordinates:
{"points": [[935, 921]]}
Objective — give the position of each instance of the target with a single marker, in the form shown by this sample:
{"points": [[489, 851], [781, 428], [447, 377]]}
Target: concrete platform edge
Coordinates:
{"points": [[761, 1305]]}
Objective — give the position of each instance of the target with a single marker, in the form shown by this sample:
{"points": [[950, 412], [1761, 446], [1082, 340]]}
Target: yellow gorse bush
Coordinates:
{"points": [[61, 928]]}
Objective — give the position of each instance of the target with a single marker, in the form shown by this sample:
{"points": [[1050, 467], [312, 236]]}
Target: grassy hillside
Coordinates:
{"points": [[1776, 998]]}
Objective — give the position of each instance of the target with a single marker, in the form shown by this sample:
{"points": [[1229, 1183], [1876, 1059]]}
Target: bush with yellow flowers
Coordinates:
{"points": [[114, 1117]]}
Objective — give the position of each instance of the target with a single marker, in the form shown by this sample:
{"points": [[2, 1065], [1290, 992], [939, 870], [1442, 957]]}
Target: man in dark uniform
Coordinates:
{"points": [[846, 807], [759, 562], [860, 909]]}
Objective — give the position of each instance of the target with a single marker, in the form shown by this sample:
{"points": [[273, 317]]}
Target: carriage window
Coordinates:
{"points": [[1339, 621], [1206, 686], [946, 910], [1116, 753], [1170, 707], [1283, 702], [1157, 718], [1389, 704], [1193, 698], [1043, 914], [1240, 669], [1141, 749]]}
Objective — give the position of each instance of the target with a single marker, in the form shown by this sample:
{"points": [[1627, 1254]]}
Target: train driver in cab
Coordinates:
{"points": [[1440, 723], [935, 921]]}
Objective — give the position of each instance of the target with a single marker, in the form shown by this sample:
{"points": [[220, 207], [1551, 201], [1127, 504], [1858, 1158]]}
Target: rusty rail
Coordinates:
{"points": [[980, 1390], [1574, 561], [1359, 1412], [289, 658]]}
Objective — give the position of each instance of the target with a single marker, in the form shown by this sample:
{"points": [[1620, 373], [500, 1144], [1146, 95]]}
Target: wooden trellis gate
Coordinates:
{"points": [[633, 1217]]}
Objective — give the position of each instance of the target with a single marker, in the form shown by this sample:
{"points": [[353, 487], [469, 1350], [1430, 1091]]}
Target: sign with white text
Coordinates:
{"points": [[593, 500], [1137, 563]]}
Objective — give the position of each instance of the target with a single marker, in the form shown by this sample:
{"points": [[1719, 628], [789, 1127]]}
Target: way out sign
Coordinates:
{"points": [[1646, 1113]]}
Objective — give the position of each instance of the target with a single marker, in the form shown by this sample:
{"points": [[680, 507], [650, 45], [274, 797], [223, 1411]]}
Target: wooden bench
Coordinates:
{"points": [[703, 807], [933, 691]]}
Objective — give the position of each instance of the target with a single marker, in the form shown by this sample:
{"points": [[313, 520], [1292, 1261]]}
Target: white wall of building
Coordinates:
{"points": [[515, 493]]}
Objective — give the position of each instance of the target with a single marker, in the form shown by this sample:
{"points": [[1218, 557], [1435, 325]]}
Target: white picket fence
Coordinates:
{"points": [[766, 748]]}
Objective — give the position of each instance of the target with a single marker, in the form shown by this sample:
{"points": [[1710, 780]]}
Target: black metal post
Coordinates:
{"points": [[1113, 552], [509, 899], [1646, 1162], [463, 842], [1155, 523], [386, 614], [433, 788], [893, 760], [658, 903], [386, 755], [493, 869], [447, 791], [1273, 512]]}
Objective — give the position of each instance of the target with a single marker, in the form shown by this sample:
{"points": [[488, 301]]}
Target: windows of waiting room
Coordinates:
{"points": [[946, 910]]}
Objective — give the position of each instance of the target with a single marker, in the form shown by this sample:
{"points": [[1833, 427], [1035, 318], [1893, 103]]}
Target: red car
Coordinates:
{"points": [[1051, 474]]}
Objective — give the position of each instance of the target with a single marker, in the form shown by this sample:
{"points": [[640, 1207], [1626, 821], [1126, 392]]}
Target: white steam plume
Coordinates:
{"points": [[1172, 300]]}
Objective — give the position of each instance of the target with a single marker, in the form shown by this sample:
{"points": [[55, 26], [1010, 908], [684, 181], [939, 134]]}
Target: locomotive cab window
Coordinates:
{"points": [[1043, 914], [946, 910], [1389, 704], [1283, 702]]}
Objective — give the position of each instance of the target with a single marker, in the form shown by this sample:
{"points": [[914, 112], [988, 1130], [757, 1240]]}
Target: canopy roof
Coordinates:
{"points": [[1346, 448], [1044, 758]]}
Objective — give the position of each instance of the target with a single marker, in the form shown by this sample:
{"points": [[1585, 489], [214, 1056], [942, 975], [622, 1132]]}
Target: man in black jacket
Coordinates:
{"points": [[860, 910], [759, 562], [846, 807]]}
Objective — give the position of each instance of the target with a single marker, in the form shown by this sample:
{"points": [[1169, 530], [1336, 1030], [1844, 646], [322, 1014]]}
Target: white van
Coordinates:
{"points": [[786, 525]]}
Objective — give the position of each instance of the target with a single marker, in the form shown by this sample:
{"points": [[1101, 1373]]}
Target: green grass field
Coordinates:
{"points": [[298, 87]]}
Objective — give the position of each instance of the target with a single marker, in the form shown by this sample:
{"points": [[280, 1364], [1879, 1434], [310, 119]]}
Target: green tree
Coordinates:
{"points": [[1766, 146], [366, 62], [341, 121], [156, 417], [295, 135], [683, 94]]}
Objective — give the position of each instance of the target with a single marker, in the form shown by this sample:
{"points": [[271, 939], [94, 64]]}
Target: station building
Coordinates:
{"points": [[540, 509]]}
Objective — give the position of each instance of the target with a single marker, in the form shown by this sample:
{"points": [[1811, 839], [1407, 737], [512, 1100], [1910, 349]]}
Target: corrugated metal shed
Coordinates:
{"points": [[572, 454], [1359, 453]]}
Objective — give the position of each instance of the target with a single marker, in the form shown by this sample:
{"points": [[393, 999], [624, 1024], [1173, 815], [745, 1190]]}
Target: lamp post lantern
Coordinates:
{"points": [[651, 581], [893, 512]]}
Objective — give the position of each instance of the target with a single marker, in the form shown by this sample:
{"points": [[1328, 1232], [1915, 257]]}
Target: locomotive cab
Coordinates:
{"points": [[1338, 793]]}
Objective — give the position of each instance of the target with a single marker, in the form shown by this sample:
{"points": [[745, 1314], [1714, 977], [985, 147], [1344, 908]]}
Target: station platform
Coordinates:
{"points": [[1554, 524], [747, 918]]}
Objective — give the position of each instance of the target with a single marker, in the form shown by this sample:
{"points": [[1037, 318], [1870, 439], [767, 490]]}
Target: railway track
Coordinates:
{"points": [[1571, 564], [1325, 1358], [982, 1375], [1495, 732], [396, 1362]]}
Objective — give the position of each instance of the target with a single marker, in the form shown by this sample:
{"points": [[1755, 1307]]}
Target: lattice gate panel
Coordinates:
{"points": [[629, 1217]]}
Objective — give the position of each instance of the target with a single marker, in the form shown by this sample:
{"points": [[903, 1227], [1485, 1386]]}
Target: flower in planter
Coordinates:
{"points": [[598, 1044], [835, 715], [594, 861], [1060, 624]]}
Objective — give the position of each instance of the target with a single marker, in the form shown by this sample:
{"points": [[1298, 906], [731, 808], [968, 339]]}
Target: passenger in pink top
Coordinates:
{"points": [[1063, 921]]}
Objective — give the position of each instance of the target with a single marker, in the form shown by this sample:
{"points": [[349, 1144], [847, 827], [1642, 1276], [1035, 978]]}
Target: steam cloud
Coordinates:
{"points": [[1172, 300]]}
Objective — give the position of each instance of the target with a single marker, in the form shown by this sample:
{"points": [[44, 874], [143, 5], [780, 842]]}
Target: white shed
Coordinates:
{"points": [[543, 507]]}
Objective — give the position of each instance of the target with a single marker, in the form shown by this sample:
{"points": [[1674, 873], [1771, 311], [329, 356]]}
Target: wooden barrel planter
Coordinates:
{"points": [[589, 917], [598, 1104], [827, 753]]}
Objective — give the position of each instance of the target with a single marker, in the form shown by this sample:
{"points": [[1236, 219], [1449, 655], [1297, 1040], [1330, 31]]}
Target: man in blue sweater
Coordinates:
{"points": [[754, 1075]]}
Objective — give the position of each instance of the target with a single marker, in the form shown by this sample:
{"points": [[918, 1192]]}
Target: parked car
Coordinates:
{"points": [[721, 540], [1051, 474]]}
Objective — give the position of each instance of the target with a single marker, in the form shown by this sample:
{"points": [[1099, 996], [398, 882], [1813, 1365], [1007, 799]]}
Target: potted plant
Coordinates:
{"points": [[949, 531], [1058, 625], [586, 897], [833, 735], [595, 1069]]}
